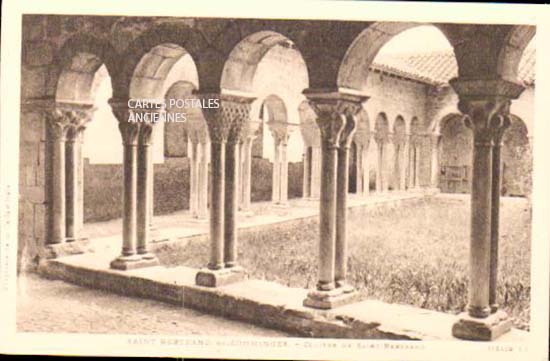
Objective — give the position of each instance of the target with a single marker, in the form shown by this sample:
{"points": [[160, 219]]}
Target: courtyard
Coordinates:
{"points": [[341, 187]]}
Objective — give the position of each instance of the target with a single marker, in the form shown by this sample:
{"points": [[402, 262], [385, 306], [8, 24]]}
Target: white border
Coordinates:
{"points": [[81, 344]]}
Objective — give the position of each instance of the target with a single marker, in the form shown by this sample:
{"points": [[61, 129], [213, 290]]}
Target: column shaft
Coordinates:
{"points": [[129, 217], [327, 216], [143, 197], [276, 184], [306, 185], [71, 187], [231, 189], [247, 173], [202, 180], [283, 176], [480, 226], [58, 227], [217, 201], [193, 179], [341, 214]]}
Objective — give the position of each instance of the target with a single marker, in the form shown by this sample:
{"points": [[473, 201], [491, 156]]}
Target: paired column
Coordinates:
{"points": [[246, 174], [379, 153], [280, 132], [363, 164], [486, 107], [225, 125], [407, 161], [66, 124], [389, 178], [362, 140], [435, 138], [336, 120], [198, 183], [136, 139]]}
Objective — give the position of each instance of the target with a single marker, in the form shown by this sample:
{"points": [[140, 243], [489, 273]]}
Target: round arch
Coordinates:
{"points": [[79, 59], [356, 63], [512, 50], [242, 62], [153, 54]]}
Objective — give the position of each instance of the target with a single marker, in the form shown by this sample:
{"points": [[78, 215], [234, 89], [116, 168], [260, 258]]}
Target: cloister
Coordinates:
{"points": [[352, 139]]}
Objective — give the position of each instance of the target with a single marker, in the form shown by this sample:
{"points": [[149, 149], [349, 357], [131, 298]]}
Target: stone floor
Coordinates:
{"points": [[55, 306]]}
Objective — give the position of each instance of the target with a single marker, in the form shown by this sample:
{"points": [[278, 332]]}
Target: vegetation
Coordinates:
{"points": [[414, 255]]}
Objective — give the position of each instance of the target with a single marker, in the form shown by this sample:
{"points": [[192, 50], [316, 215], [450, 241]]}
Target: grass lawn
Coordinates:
{"points": [[412, 255]]}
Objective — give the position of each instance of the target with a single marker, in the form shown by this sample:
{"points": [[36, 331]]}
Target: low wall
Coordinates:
{"points": [[103, 186]]}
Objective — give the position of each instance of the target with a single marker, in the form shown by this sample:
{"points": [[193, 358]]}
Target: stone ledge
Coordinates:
{"points": [[64, 249], [119, 282], [262, 303]]}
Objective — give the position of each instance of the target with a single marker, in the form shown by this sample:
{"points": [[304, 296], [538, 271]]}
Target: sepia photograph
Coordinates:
{"points": [[235, 183]]}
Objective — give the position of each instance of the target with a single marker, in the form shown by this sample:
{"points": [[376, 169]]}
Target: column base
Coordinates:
{"points": [[217, 278], [68, 248], [125, 263], [326, 300], [482, 329]]}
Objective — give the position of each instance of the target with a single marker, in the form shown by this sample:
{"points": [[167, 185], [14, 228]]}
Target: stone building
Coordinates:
{"points": [[356, 125]]}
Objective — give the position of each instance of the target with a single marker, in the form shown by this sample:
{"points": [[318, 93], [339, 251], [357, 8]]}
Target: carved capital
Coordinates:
{"points": [[346, 137], [336, 114], [129, 132], [66, 121], [487, 118], [225, 123]]}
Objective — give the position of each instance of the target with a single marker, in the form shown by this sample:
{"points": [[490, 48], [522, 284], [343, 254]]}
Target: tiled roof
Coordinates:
{"points": [[439, 67]]}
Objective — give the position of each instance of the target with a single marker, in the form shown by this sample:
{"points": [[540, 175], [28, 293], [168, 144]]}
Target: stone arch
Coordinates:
{"points": [[355, 65], [455, 156], [240, 67], [381, 136], [399, 160], [381, 127], [276, 109], [175, 133], [152, 55], [312, 150], [79, 59], [512, 49], [148, 80], [516, 159], [359, 173]]}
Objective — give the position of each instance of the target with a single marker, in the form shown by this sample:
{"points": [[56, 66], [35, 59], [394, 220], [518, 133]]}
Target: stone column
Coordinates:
{"points": [[435, 160], [145, 175], [361, 138], [129, 132], [306, 183], [495, 209], [224, 127], [486, 106], [59, 120], [341, 256], [332, 110], [389, 165], [202, 177], [280, 132], [276, 176], [379, 147], [73, 164], [249, 133], [407, 162], [315, 172], [247, 173]]}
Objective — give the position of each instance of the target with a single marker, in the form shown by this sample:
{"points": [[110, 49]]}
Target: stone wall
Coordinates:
{"points": [[103, 187]]}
